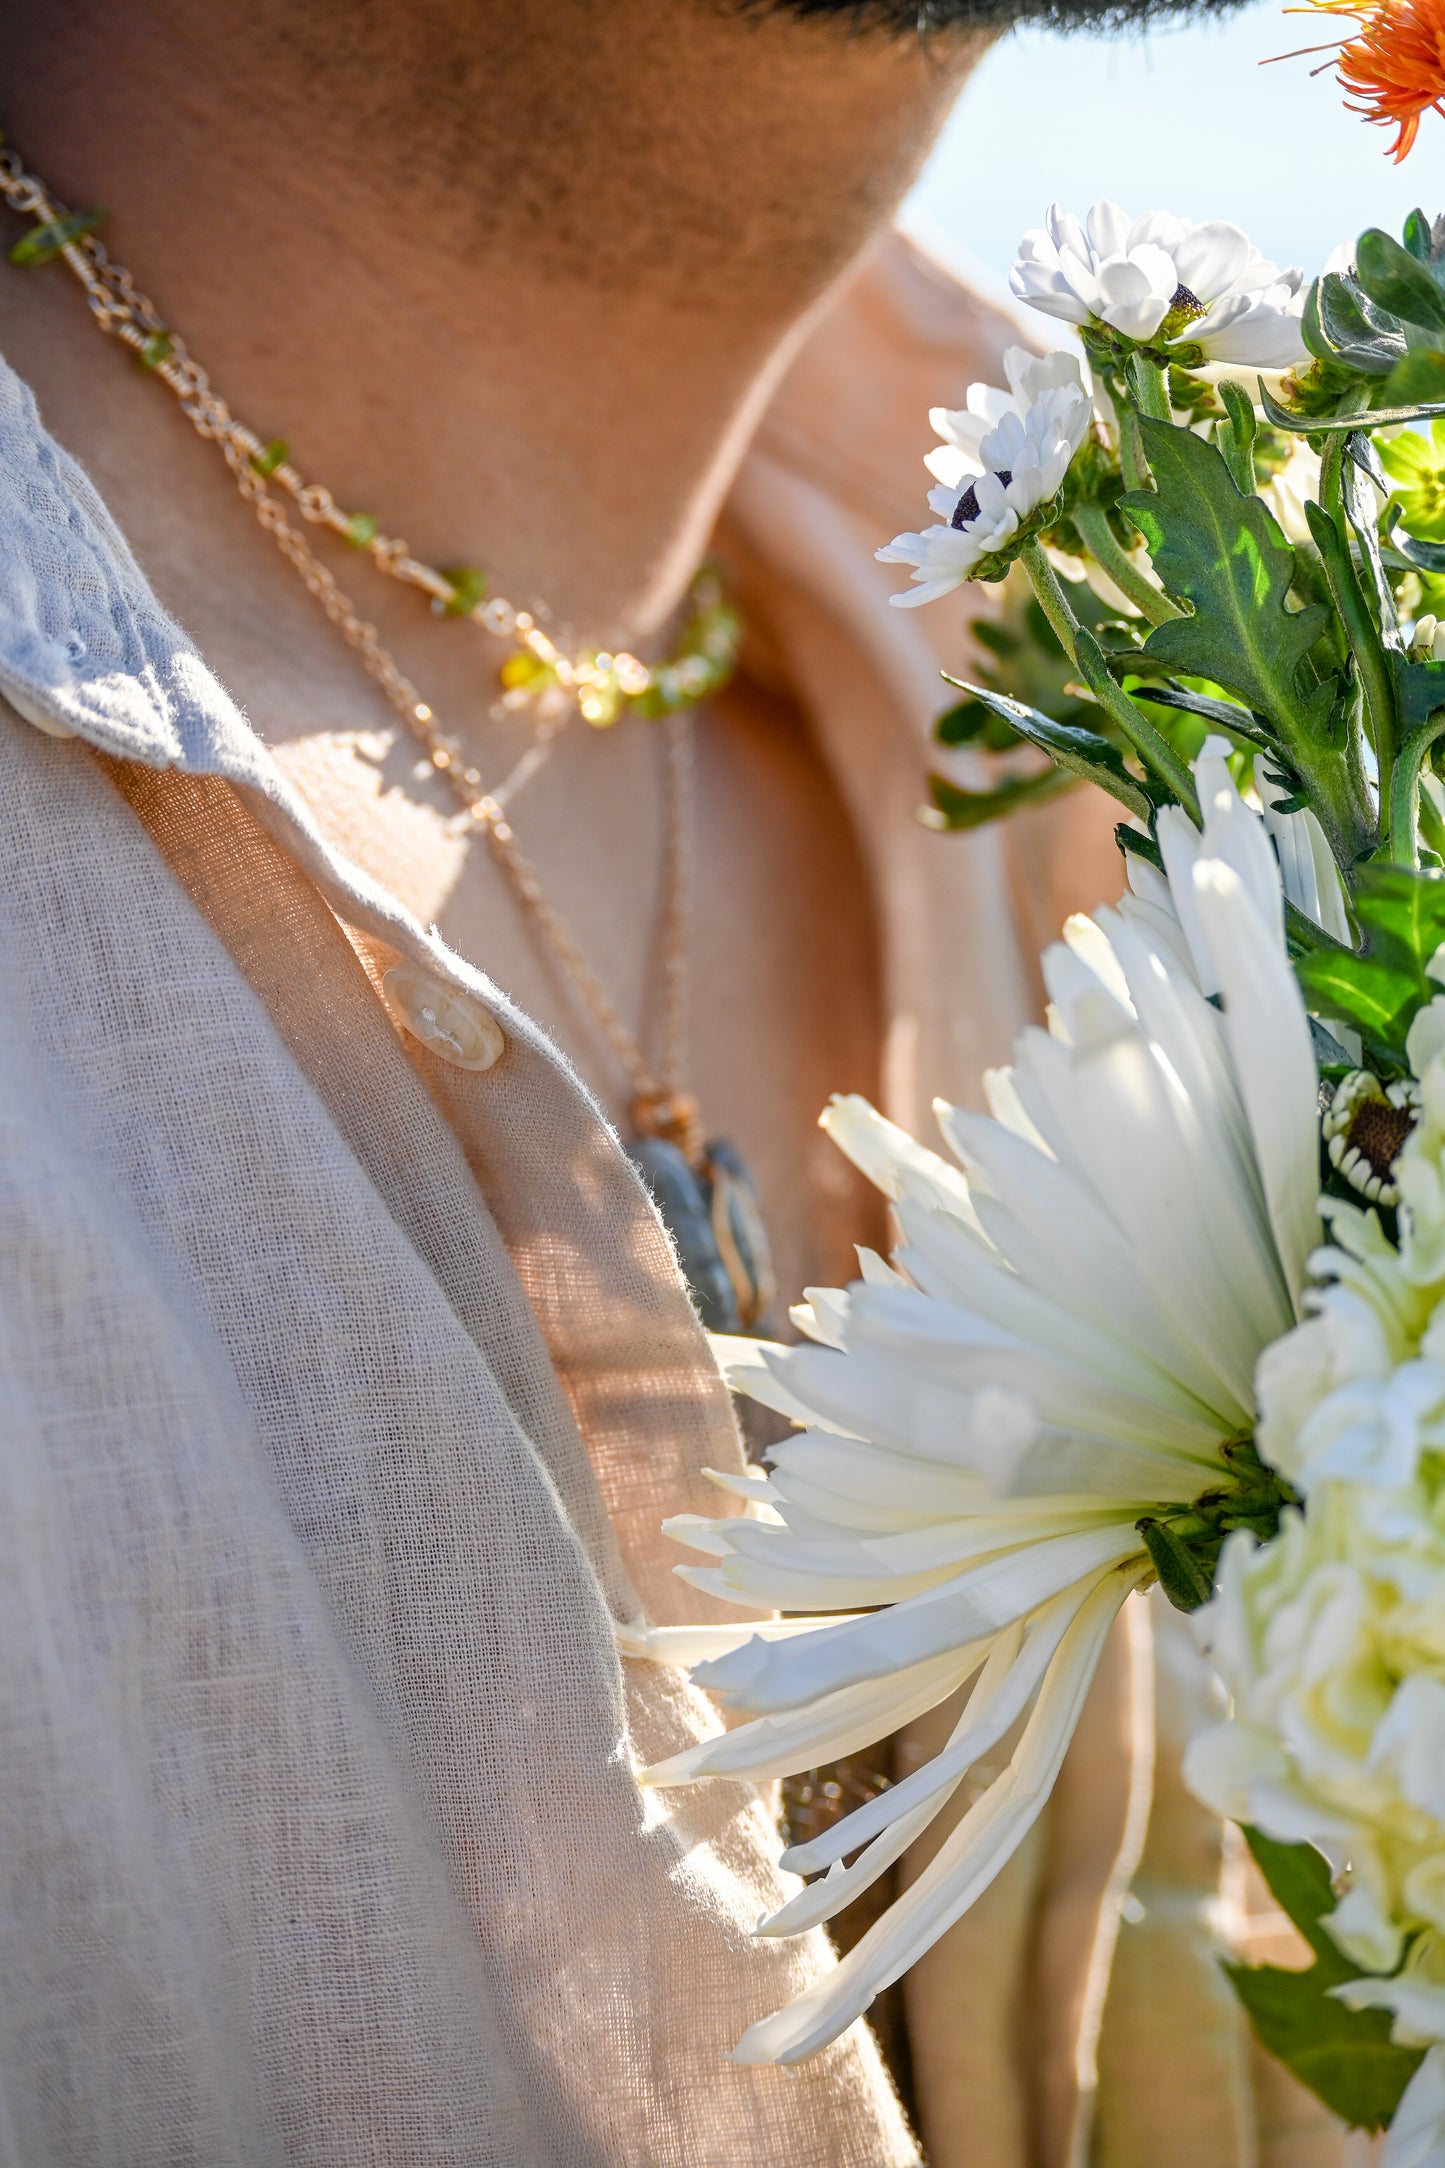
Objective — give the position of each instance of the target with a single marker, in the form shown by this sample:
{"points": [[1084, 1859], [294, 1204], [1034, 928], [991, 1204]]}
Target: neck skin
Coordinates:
{"points": [[515, 277]]}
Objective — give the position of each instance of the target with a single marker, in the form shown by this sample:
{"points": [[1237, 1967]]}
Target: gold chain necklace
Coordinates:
{"points": [[701, 1185]]}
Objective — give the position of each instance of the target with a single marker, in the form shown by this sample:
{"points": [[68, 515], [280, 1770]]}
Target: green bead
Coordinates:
{"points": [[469, 588], [44, 242], [600, 705], [159, 347], [522, 670], [275, 455], [361, 530]]}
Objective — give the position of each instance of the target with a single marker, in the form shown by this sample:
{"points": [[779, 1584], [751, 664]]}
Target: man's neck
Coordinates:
{"points": [[341, 235]]}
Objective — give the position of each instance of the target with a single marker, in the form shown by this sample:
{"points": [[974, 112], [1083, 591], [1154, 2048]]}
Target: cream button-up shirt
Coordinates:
{"points": [[346, 1378]]}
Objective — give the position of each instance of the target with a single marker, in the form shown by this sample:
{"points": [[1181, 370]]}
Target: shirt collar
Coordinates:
{"points": [[87, 652]]}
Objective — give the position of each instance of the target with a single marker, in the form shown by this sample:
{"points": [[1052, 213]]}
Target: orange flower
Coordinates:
{"points": [[1395, 64]]}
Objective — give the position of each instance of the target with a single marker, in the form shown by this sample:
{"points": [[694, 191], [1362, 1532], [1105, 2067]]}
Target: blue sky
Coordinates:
{"points": [[1183, 119]]}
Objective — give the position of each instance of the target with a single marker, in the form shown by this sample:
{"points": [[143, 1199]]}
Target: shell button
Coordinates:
{"points": [[32, 712], [451, 1023]]}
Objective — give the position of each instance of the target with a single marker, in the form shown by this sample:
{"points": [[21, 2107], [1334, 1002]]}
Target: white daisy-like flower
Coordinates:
{"points": [[1329, 1641], [1308, 873], [1032, 380], [1356, 1393], [1005, 453], [1329, 1638], [1161, 280], [1064, 1343]]}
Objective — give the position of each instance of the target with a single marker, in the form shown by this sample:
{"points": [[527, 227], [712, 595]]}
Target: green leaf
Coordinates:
{"points": [[1315, 425], [1419, 690], [1416, 235], [1236, 436], [971, 723], [1418, 375], [1331, 1059], [1371, 998], [1298, 1879], [954, 808], [1134, 843], [1340, 327], [1380, 989], [1224, 713], [1424, 556], [1186, 1577], [1344, 2056], [1083, 752], [998, 639], [1402, 914], [1397, 281], [1222, 552], [1363, 454], [1303, 935]]}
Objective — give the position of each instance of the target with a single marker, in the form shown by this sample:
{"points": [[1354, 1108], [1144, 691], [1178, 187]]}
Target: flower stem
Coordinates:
{"points": [[1052, 600], [1109, 554], [1332, 496], [1149, 386], [1051, 597], [1132, 463], [1087, 657]]}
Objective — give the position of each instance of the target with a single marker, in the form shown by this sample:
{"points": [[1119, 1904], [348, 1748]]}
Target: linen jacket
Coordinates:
{"points": [[345, 1386]]}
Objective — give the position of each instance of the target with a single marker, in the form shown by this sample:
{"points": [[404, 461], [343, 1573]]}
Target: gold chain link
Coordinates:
{"points": [[122, 312]]}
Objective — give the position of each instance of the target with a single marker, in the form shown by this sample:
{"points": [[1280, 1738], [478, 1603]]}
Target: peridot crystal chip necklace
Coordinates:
{"points": [[701, 1184]]}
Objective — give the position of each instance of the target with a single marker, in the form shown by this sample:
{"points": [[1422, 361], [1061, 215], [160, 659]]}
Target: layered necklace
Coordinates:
{"points": [[700, 1183]]}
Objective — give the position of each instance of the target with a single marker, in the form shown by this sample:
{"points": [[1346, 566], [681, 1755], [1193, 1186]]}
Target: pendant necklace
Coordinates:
{"points": [[701, 1184]]}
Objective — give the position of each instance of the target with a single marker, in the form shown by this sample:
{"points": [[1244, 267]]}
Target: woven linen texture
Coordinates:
{"points": [[340, 1394]]}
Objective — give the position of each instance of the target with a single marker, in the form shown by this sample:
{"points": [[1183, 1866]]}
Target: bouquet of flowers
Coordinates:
{"points": [[1174, 1310]]}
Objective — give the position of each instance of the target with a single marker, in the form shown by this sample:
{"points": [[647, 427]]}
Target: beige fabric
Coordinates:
{"points": [[343, 1391]]}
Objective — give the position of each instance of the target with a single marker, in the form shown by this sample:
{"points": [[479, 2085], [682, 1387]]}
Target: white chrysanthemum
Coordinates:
{"points": [[1331, 1640], [1004, 454], [1357, 1392], [1069, 1336], [1161, 280], [1308, 873]]}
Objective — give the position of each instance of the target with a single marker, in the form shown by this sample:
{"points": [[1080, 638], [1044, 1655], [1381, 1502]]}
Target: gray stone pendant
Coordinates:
{"points": [[710, 1208]]}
